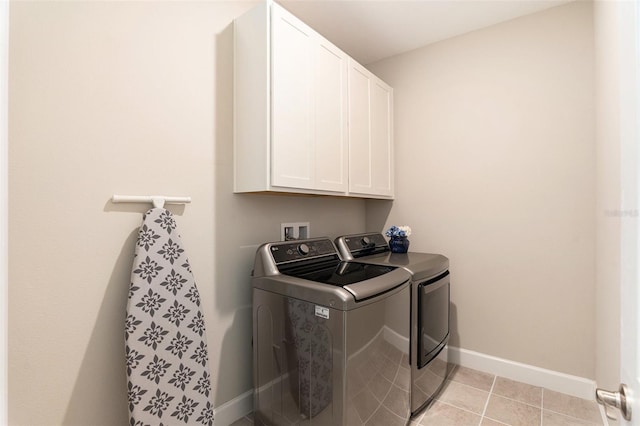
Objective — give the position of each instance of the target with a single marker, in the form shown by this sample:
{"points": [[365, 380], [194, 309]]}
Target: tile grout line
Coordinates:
{"points": [[457, 408], [502, 396], [519, 401], [486, 404]]}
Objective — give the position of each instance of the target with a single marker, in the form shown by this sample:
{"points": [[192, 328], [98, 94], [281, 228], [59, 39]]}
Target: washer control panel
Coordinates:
{"points": [[289, 251]]}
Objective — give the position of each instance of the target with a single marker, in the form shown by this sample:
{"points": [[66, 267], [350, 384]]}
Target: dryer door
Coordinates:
{"points": [[433, 317]]}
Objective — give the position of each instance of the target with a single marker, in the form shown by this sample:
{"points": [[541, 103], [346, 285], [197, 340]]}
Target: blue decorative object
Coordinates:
{"points": [[398, 231], [399, 244]]}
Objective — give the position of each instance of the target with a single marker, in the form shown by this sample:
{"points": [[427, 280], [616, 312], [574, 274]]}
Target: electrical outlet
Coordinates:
{"points": [[295, 231]]}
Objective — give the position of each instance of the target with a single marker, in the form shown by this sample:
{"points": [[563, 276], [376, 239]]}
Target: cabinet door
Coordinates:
{"points": [[381, 138], [330, 117], [359, 130], [292, 163], [308, 115], [370, 133]]}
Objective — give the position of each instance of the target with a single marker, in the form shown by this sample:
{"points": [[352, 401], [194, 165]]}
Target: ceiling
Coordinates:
{"points": [[370, 30]]}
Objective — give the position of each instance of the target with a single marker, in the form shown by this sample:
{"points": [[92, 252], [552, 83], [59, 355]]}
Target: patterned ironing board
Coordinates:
{"points": [[165, 339]]}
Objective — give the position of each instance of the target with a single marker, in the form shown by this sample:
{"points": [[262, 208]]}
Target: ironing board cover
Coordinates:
{"points": [[165, 343]]}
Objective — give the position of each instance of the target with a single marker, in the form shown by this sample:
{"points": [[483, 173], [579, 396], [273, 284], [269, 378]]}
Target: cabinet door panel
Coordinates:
{"points": [[370, 133], [359, 131], [291, 96], [381, 149], [330, 118]]}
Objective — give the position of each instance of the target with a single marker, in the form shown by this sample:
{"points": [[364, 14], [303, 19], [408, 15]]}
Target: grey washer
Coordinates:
{"points": [[330, 338]]}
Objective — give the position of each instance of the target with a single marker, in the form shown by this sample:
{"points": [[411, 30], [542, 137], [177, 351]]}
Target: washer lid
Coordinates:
{"points": [[314, 265], [362, 280], [339, 273]]}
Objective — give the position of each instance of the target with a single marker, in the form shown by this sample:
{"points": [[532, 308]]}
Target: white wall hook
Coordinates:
{"points": [[158, 202]]}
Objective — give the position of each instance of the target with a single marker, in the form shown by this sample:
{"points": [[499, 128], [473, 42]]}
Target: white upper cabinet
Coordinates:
{"points": [[291, 131], [370, 133]]}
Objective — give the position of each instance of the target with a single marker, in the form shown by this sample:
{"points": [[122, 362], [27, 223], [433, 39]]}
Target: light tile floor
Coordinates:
{"points": [[472, 397]]}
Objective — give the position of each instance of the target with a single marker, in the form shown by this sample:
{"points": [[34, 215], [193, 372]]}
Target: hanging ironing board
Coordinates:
{"points": [[166, 350]]}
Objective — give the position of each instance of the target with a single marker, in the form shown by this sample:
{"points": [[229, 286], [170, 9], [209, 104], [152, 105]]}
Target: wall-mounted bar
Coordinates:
{"points": [[157, 200]]}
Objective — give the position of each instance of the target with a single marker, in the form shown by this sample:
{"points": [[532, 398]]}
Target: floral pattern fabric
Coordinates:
{"points": [[165, 343]]}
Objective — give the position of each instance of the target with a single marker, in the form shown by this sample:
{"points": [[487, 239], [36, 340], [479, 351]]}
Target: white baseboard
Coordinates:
{"points": [[549, 379], [234, 410]]}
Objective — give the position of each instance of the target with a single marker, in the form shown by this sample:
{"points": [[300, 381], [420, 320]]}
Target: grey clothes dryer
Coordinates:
{"points": [[430, 303], [330, 338]]}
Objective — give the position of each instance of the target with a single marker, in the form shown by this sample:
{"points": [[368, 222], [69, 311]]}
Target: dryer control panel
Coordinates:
{"points": [[359, 245]]}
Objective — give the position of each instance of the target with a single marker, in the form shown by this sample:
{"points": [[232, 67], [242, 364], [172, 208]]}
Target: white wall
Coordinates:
{"points": [[127, 98], [495, 168]]}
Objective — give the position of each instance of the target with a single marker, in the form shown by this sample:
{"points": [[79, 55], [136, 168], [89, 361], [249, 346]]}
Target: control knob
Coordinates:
{"points": [[303, 249], [366, 242]]}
